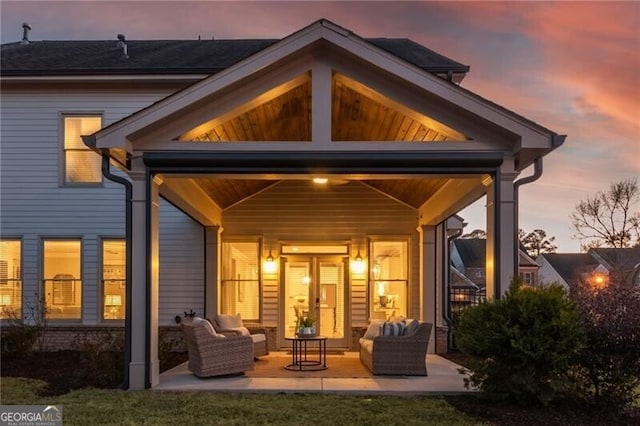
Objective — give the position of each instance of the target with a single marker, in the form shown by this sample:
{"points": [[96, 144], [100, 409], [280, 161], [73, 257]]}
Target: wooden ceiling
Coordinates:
{"points": [[358, 114]]}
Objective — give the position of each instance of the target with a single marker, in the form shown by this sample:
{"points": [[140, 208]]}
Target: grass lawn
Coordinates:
{"points": [[100, 406]]}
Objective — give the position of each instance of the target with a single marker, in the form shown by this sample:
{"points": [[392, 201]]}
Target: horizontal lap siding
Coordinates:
{"points": [[181, 264], [33, 203], [301, 211]]}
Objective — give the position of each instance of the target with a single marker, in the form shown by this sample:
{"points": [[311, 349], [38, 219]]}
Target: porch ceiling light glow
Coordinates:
{"points": [[320, 180], [358, 266], [270, 264]]}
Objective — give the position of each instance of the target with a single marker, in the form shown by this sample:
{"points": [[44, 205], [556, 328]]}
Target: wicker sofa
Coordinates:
{"points": [[397, 355], [215, 355], [233, 325]]}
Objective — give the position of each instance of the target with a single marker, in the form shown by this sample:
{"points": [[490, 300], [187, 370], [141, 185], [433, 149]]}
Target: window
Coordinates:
{"points": [[10, 279], [526, 278], [81, 165], [113, 279], [62, 283], [388, 279], [240, 291]]}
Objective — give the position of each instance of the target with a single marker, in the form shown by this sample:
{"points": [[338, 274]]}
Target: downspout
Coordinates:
{"points": [[537, 172], [106, 172], [446, 303], [556, 141]]}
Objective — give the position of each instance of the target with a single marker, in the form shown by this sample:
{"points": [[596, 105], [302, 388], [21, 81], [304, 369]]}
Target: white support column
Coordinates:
{"points": [[212, 269], [428, 289], [145, 264], [137, 375], [154, 280], [501, 232], [321, 74]]}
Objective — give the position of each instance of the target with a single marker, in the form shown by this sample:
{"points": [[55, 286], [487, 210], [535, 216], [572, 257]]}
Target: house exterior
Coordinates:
{"points": [[598, 266], [468, 257], [316, 173]]}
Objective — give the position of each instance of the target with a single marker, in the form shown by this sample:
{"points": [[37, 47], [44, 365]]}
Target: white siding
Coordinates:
{"points": [[33, 203], [301, 211], [181, 264]]}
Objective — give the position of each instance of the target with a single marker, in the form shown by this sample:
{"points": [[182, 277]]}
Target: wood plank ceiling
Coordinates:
{"points": [[358, 114]]}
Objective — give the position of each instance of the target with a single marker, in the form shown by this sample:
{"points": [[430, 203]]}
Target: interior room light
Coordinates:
{"points": [[358, 266], [270, 264], [320, 180]]}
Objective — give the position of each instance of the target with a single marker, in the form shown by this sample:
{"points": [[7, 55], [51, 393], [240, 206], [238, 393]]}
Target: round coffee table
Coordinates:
{"points": [[300, 360]]}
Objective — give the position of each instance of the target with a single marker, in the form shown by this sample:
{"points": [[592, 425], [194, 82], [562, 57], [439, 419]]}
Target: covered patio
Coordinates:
{"points": [[402, 148], [443, 378]]}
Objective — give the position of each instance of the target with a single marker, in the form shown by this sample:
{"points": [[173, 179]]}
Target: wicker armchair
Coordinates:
{"points": [[215, 356], [397, 355], [232, 325]]}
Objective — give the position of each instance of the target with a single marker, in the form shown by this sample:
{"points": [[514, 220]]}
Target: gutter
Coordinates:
{"points": [[106, 172], [556, 141]]}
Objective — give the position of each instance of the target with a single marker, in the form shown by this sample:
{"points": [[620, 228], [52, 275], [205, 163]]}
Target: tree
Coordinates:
{"points": [[476, 233], [536, 242], [611, 218]]}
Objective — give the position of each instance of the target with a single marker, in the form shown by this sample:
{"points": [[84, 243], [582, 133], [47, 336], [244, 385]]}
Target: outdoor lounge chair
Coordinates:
{"points": [[233, 325], [397, 355], [213, 354]]}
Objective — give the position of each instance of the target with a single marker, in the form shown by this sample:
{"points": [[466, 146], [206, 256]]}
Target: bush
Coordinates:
{"points": [[25, 331], [609, 373], [521, 346]]}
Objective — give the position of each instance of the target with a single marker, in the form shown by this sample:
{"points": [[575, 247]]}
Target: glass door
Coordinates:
{"points": [[315, 287]]}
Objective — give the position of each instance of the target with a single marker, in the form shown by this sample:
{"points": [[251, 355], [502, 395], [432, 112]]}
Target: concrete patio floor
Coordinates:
{"points": [[443, 379]]}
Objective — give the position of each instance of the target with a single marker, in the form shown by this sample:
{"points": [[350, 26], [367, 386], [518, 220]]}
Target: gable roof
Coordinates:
{"points": [[472, 251], [617, 258], [177, 56], [570, 264]]}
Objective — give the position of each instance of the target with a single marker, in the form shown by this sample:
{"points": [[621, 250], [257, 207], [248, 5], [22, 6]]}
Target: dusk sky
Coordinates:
{"points": [[569, 66]]}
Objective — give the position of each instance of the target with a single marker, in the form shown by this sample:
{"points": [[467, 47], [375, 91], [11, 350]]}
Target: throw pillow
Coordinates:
{"points": [[374, 329], [392, 328], [201, 322], [227, 321], [411, 325]]}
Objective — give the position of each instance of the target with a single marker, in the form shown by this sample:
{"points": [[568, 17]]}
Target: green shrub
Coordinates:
{"points": [[609, 373], [521, 346]]}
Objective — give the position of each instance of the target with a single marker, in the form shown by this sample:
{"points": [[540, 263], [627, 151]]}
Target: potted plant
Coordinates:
{"points": [[306, 327]]}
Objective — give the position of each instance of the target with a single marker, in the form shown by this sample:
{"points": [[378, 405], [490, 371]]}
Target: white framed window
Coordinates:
{"points": [[388, 279], [114, 280], [62, 283], [81, 165], [240, 285], [10, 278]]}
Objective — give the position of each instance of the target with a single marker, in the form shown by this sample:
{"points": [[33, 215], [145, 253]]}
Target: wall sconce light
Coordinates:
{"points": [[270, 264], [358, 266]]}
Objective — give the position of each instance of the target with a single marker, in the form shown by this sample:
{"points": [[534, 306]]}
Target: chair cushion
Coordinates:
{"points": [[392, 328], [228, 321], [257, 338], [374, 329], [366, 344], [411, 325], [242, 331]]}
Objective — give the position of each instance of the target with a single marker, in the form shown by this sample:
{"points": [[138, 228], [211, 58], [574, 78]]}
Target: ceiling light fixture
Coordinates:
{"points": [[320, 180]]}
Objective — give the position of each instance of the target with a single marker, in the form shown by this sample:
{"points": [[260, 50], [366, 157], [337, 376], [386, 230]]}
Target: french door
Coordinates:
{"points": [[316, 287]]}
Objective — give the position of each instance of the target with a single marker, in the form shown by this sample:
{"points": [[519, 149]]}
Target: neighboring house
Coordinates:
{"points": [[468, 260], [597, 266], [259, 177]]}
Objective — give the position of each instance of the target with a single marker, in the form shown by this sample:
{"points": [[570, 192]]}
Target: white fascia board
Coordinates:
{"points": [[530, 133], [206, 87]]}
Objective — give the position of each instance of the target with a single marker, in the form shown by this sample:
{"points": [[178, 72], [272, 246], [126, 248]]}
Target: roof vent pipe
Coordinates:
{"points": [[25, 33], [123, 46]]}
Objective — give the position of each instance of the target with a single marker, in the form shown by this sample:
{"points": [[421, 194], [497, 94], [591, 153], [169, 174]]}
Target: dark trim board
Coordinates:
{"points": [[405, 162]]}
